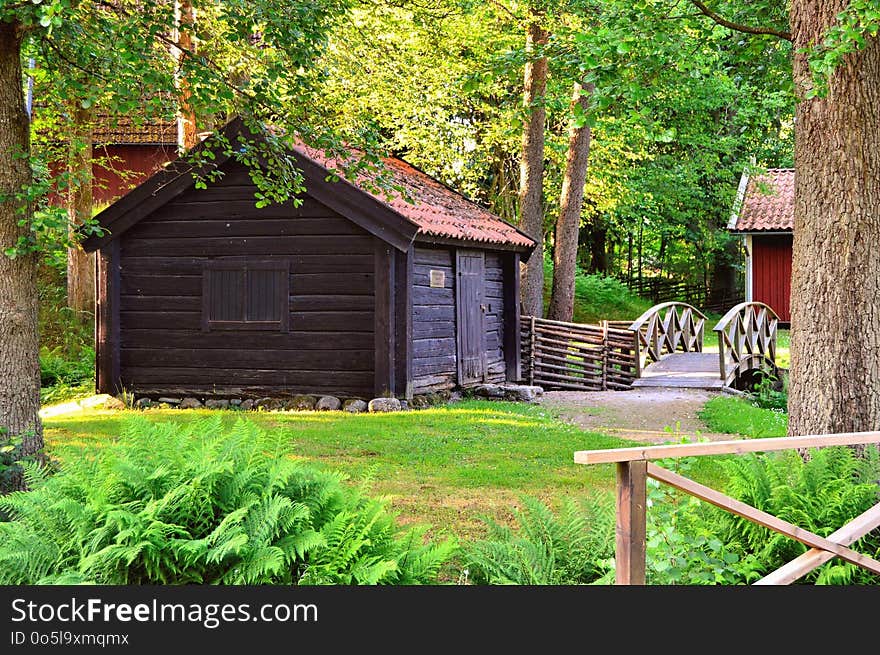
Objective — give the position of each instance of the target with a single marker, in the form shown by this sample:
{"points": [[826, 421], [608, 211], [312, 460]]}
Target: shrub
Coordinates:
{"points": [[10, 454], [66, 374], [689, 542], [682, 539], [57, 368], [598, 297], [770, 392], [172, 504], [571, 547], [821, 494]]}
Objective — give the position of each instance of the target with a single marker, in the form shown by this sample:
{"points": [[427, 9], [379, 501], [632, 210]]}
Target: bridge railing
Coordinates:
{"points": [[634, 467], [666, 328], [746, 340]]}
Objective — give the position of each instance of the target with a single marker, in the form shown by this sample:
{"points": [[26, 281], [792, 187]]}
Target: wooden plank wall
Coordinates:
{"points": [[330, 345], [496, 369], [434, 344], [434, 335]]}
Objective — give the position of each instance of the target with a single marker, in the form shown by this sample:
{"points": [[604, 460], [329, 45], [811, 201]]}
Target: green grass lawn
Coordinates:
{"points": [[736, 415], [444, 466]]}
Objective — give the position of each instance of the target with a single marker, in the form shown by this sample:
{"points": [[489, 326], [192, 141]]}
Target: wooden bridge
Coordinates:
{"points": [[669, 346], [661, 348]]}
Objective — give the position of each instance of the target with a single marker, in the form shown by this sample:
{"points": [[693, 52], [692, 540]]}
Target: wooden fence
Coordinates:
{"points": [[634, 467], [576, 356], [661, 290]]}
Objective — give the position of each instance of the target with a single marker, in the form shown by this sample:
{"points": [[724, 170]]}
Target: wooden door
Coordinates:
{"points": [[470, 266]]}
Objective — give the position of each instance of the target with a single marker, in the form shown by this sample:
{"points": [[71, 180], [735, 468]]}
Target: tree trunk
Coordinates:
{"points": [[596, 251], [532, 172], [599, 248], [629, 256], [80, 264], [641, 225], [187, 131], [724, 272], [19, 347], [835, 288], [571, 200]]}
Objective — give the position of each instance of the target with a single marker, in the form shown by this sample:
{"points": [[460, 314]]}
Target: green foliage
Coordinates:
{"points": [[690, 542], [598, 297], [10, 453], [682, 544], [605, 298], [821, 494], [571, 547], [852, 31], [57, 368], [445, 465], [167, 504], [770, 391], [738, 415]]}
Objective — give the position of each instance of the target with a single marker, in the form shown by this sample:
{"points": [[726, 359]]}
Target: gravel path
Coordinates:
{"points": [[646, 415]]}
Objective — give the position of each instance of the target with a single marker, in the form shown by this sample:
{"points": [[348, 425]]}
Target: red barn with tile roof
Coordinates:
{"points": [[765, 219], [348, 292]]}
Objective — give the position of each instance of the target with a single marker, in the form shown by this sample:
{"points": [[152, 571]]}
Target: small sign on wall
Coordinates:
{"points": [[438, 278]]}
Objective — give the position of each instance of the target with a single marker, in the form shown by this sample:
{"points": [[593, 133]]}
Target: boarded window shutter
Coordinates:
{"points": [[264, 294], [245, 295], [227, 299]]}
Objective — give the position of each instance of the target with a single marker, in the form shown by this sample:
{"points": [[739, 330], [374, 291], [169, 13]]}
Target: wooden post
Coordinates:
{"points": [[107, 360], [604, 355], [511, 319], [403, 323], [638, 352], [630, 535], [384, 381], [532, 352]]}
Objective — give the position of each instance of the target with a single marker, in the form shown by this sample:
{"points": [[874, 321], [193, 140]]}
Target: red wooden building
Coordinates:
{"points": [[127, 154], [764, 216]]}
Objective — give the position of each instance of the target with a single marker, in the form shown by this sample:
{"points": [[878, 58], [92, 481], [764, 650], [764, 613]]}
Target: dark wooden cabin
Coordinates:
{"points": [[764, 217], [349, 293]]}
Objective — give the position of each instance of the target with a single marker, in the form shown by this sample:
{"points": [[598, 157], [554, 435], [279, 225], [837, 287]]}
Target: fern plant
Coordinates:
{"points": [[172, 504], [571, 547], [820, 494]]}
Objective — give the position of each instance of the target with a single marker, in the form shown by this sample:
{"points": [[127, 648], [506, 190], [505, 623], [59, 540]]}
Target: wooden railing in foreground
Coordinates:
{"points": [[576, 356], [666, 328], [746, 340], [634, 467]]}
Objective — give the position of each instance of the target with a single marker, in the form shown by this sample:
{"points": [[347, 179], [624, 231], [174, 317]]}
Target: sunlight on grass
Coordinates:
{"points": [[444, 466]]}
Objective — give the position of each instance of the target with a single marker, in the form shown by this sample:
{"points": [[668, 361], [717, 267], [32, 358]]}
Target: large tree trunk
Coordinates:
{"points": [[80, 264], [187, 131], [532, 172], [835, 288], [571, 202], [19, 348]]}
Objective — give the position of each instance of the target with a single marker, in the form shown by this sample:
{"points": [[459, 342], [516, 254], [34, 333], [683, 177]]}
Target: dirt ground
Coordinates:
{"points": [[647, 415]]}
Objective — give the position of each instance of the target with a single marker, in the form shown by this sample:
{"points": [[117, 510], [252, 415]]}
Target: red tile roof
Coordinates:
{"points": [[436, 209], [768, 203]]}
